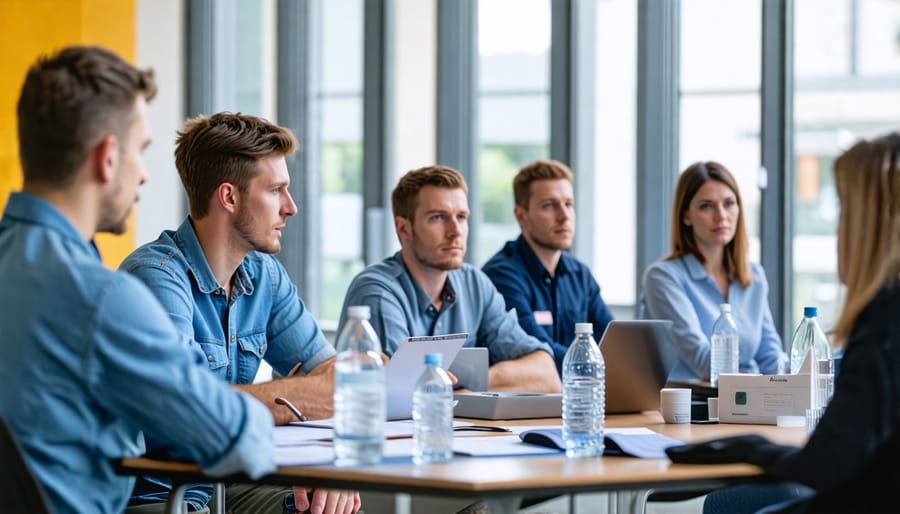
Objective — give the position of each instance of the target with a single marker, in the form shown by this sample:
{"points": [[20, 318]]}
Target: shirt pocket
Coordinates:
{"points": [[252, 348], [216, 354]]}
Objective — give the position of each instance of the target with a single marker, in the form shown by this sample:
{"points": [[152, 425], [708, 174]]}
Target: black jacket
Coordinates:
{"points": [[863, 414]]}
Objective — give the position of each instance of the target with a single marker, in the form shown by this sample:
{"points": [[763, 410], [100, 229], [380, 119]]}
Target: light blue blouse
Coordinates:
{"points": [[682, 291]]}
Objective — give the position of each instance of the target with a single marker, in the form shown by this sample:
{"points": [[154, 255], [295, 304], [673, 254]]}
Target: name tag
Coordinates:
{"points": [[543, 317]]}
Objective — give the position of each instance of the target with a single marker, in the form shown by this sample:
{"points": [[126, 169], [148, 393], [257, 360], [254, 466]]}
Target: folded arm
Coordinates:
{"points": [[535, 372]]}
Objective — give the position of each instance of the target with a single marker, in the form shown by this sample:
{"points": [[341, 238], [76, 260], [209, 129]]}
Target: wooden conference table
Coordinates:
{"points": [[503, 481]]}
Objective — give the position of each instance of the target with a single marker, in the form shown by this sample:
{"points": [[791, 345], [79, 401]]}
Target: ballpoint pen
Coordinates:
{"points": [[283, 401]]}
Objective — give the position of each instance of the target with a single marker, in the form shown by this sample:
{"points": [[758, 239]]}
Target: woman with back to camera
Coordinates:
{"points": [[708, 265], [865, 409]]}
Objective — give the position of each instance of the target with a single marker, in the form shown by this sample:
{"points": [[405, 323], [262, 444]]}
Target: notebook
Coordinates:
{"points": [[639, 355], [408, 363]]}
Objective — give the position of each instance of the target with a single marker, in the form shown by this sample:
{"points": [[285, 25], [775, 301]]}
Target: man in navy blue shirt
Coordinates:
{"points": [[550, 289]]}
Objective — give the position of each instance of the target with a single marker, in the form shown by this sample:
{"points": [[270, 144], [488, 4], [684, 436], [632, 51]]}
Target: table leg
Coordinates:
{"points": [[175, 504], [630, 502], [503, 505]]}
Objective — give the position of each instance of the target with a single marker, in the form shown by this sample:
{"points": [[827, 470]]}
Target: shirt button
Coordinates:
{"points": [[233, 338], [209, 358], [546, 280]]}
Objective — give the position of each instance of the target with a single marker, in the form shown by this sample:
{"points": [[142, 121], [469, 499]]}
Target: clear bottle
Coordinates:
{"points": [[584, 395], [359, 392], [433, 414], [724, 346], [810, 335]]}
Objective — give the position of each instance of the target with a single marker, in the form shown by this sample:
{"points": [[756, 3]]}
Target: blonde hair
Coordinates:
{"points": [[681, 238], [868, 186]]}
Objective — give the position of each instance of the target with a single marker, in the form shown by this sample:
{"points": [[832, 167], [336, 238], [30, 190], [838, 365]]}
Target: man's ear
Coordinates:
{"points": [[228, 197], [403, 227], [519, 213], [106, 158]]}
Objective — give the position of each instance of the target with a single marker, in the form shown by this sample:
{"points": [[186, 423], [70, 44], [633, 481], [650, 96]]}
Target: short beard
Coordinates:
{"points": [[243, 224]]}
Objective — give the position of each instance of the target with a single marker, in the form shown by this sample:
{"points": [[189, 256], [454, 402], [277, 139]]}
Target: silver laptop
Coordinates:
{"points": [[471, 369], [639, 355]]}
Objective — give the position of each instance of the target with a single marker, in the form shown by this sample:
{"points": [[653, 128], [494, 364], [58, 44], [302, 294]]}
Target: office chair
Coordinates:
{"points": [[19, 490]]}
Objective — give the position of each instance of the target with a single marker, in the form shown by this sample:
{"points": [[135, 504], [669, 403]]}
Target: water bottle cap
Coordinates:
{"points": [[359, 312], [433, 359], [810, 312], [584, 328], [725, 307]]}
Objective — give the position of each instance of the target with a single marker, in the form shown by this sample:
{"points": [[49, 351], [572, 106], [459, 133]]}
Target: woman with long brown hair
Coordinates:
{"points": [[707, 266]]}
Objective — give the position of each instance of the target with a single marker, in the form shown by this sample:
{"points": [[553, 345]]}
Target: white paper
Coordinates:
{"points": [[305, 455], [408, 363]]}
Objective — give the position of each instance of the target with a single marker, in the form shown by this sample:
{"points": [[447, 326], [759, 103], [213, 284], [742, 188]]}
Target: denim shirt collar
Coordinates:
{"points": [[186, 239], [534, 266], [33, 209]]}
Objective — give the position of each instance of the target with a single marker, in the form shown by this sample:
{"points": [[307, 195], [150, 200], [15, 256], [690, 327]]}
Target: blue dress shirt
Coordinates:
{"points": [[548, 306], [682, 291], [264, 319], [400, 308], [90, 359]]}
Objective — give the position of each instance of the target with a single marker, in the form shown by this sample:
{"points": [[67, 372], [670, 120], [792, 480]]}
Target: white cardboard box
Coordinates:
{"points": [[759, 399]]}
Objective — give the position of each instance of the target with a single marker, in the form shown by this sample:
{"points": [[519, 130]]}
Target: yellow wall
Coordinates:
{"points": [[29, 28]]}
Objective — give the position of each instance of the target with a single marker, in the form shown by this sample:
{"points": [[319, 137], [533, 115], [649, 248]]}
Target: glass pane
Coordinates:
{"points": [[720, 41], [249, 58], [615, 210], [339, 141], [514, 112], [821, 38], [720, 106], [879, 41], [829, 116], [725, 128]]}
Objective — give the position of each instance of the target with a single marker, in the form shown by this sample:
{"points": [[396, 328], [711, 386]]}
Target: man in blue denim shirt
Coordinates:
{"points": [[89, 358], [549, 289], [218, 280], [425, 289]]}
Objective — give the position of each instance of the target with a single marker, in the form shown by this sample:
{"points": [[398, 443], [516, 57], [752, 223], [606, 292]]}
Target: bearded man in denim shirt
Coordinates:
{"points": [[90, 359], [219, 281]]}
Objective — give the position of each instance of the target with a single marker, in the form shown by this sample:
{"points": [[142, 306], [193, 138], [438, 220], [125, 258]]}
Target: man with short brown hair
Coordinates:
{"points": [[549, 289], [219, 280], [91, 362], [426, 289]]}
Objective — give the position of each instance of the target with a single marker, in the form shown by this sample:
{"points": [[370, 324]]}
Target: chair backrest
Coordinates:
{"points": [[19, 490]]}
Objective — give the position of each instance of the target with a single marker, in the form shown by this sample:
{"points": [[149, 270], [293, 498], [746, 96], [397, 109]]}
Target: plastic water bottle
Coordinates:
{"points": [[724, 354], [810, 335], [433, 414], [584, 395], [359, 392]]}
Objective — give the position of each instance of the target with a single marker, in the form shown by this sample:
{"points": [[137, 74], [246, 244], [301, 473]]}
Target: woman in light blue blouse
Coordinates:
{"points": [[707, 266]]}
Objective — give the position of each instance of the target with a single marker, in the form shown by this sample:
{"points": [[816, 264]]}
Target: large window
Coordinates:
{"points": [[513, 111], [615, 212], [847, 86], [720, 105], [338, 136]]}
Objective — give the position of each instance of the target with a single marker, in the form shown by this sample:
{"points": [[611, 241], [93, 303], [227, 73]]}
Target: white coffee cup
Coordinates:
{"points": [[712, 404], [675, 404]]}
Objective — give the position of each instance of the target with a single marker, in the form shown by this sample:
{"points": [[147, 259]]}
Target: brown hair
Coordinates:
{"points": [[69, 102], [681, 239], [867, 179], [534, 171], [225, 147], [404, 196]]}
